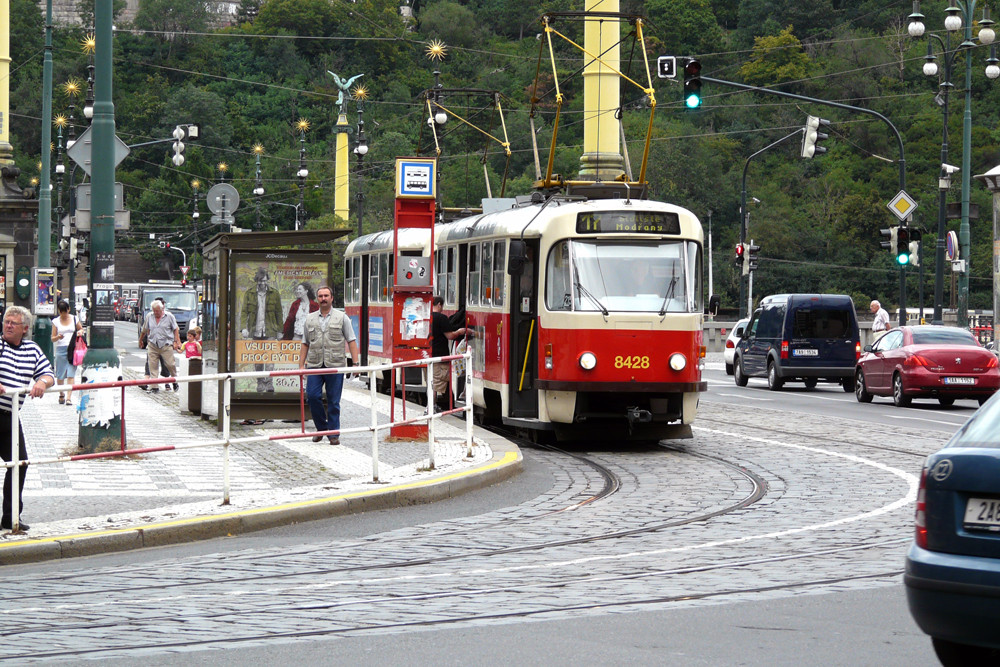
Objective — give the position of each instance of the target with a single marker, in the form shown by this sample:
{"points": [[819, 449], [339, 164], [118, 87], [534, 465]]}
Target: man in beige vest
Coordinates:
{"points": [[325, 334]]}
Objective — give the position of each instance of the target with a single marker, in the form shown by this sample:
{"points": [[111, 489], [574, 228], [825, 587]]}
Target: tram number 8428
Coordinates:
{"points": [[631, 362]]}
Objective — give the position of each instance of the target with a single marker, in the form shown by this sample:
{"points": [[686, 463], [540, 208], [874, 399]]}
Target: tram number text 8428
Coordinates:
{"points": [[631, 362]]}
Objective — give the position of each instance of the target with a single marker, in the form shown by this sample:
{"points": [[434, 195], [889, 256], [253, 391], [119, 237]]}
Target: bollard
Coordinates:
{"points": [[194, 388]]}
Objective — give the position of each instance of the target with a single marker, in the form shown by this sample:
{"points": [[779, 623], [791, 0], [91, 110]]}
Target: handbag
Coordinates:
{"points": [[79, 350]]}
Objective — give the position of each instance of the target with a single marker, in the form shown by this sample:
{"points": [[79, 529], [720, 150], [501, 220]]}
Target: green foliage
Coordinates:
{"points": [[685, 27], [776, 59]]}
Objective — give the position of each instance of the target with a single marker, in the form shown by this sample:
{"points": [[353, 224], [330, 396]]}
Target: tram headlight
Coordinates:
{"points": [[588, 361], [678, 361]]}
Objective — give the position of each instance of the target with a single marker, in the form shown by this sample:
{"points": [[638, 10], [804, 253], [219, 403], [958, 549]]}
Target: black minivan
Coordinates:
{"points": [[800, 337]]}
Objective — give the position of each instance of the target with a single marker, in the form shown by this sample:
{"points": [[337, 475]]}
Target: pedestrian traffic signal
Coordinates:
{"points": [[739, 257], [811, 136], [752, 251], [903, 246], [915, 235], [692, 83], [888, 235], [178, 146]]}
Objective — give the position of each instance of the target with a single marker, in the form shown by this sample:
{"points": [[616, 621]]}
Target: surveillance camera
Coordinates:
{"points": [[950, 169]]}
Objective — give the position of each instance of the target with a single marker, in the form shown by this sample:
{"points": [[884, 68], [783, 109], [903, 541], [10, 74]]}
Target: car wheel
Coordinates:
{"points": [[952, 654], [729, 369], [860, 390], [946, 401], [811, 383], [898, 399], [774, 383], [739, 375], [847, 384]]}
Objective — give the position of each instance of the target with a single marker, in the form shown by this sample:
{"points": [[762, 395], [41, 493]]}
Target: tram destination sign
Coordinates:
{"points": [[628, 222]]}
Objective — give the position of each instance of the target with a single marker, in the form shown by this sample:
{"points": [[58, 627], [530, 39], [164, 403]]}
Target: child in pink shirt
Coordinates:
{"points": [[192, 348]]}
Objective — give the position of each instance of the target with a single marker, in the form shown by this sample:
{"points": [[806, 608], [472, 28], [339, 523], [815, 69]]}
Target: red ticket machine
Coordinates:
{"points": [[413, 277]]}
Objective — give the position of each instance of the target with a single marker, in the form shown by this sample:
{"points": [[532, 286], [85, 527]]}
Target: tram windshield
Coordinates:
{"points": [[607, 276]]}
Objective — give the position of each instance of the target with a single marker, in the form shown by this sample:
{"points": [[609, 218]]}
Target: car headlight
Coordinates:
{"points": [[678, 361], [588, 361]]}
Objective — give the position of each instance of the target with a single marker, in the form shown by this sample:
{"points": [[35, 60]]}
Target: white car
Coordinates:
{"points": [[734, 337]]}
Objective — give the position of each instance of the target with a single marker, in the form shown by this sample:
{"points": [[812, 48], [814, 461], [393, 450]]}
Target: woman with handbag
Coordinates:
{"points": [[64, 331]]}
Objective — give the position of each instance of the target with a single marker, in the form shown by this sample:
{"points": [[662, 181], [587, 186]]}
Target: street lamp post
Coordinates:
{"points": [[258, 190], [361, 150], [195, 215], [303, 173], [958, 15]]}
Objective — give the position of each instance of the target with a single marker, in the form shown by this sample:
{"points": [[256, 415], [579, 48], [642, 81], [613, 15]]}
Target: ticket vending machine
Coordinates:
{"points": [[413, 286]]}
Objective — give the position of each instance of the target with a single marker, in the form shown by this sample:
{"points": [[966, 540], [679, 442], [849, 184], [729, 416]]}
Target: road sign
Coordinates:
{"points": [[951, 246], [215, 194], [902, 205], [666, 67], [81, 151], [184, 270]]}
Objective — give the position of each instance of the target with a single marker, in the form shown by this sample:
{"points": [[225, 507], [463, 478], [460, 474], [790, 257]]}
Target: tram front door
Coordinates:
{"points": [[523, 268]]}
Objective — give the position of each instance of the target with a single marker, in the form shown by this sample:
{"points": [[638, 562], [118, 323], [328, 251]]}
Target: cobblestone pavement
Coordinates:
{"points": [[834, 513], [105, 494]]}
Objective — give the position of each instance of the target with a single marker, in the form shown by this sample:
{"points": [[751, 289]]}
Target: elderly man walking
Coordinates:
{"points": [[163, 338], [22, 363]]}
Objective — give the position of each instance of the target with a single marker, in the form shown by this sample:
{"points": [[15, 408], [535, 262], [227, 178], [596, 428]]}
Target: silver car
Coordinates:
{"points": [[734, 337]]}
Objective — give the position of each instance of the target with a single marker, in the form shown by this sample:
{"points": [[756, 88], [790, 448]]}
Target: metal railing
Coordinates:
{"points": [[429, 416]]}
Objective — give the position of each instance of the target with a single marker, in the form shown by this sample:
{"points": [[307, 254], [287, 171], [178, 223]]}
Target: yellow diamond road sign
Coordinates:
{"points": [[902, 205]]}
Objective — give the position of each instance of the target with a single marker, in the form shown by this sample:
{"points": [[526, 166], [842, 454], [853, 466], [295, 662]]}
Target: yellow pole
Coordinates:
{"points": [[341, 184], [6, 150], [601, 159]]}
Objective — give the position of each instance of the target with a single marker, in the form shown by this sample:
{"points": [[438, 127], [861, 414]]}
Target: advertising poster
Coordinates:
{"points": [[272, 294], [104, 287], [45, 294]]}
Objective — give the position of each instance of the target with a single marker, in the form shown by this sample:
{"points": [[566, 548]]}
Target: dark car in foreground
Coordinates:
{"points": [[953, 566], [929, 361]]}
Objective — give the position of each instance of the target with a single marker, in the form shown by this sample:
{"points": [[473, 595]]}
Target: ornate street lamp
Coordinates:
{"points": [[958, 16], [89, 44]]}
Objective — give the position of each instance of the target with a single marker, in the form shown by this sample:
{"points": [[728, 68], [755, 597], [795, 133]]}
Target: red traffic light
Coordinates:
{"points": [[739, 250], [692, 67]]}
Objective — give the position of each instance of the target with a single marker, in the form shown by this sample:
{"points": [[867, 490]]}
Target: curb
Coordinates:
{"points": [[506, 462]]}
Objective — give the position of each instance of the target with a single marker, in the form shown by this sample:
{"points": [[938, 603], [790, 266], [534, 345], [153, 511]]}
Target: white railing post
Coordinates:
{"points": [[227, 393], [468, 401], [374, 424], [430, 415], [15, 457]]}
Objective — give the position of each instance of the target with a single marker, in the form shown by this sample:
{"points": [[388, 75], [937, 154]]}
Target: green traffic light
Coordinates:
{"points": [[903, 260], [692, 101]]}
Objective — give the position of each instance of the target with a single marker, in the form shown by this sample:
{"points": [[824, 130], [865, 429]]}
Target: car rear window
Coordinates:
{"points": [[820, 323], [945, 335]]}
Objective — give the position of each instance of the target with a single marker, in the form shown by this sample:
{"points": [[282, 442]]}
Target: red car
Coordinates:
{"points": [[932, 361]]}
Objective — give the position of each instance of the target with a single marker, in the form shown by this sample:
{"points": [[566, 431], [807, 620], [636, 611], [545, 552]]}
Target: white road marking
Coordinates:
{"points": [[922, 419], [744, 397]]}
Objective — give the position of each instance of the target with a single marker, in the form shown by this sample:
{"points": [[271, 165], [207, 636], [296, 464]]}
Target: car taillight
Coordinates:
{"points": [[992, 363], [917, 360], [730, 344], [857, 350], [920, 536], [784, 349]]}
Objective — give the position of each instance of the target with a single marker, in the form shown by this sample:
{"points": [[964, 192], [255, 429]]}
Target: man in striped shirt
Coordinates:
{"points": [[22, 363]]}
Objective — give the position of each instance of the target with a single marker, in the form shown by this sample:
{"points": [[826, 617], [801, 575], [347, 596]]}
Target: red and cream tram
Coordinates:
{"points": [[587, 314]]}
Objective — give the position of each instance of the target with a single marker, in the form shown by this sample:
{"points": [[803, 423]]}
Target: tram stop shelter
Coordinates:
{"points": [[258, 287]]}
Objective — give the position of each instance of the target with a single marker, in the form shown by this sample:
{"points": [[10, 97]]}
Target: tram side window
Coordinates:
{"points": [[499, 271], [348, 279], [384, 277], [439, 272], [486, 292], [373, 293], [558, 295], [450, 297], [694, 276], [474, 272], [356, 285]]}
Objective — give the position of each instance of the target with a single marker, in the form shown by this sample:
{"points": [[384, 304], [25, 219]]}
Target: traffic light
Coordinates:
{"points": [[165, 245], [915, 235], [752, 251], [73, 247], [178, 146], [184, 282], [692, 83], [903, 246], [888, 241], [811, 136], [739, 259]]}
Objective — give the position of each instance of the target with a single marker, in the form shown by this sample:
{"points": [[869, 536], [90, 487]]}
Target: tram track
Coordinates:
{"points": [[466, 594]]}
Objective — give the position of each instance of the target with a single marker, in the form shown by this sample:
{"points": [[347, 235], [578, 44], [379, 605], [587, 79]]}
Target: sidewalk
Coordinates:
{"points": [[86, 507]]}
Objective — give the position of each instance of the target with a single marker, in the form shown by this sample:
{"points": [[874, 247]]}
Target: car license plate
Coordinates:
{"points": [[960, 380], [983, 513], [805, 352]]}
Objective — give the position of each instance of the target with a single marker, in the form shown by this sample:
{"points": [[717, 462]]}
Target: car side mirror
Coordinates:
{"points": [[517, 259], [713, 305], [739, 331], [868, 348]]}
